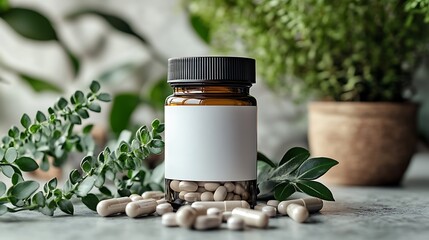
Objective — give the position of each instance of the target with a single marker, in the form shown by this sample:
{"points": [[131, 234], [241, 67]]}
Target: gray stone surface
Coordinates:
{"points": [[359, 213]]}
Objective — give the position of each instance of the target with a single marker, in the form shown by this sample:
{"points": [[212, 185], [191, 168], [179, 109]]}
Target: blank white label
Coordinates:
{"points": [[210, 143]]}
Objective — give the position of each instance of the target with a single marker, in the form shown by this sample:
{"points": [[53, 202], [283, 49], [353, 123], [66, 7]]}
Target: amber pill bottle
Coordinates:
{"points": [[210, 136]]}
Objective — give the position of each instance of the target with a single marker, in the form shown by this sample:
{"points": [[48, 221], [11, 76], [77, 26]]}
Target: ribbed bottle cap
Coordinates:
{"points": [[216, 69]]}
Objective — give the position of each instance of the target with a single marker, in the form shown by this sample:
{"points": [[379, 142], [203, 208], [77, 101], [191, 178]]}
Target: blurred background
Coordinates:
{"points": [[52, 48]]}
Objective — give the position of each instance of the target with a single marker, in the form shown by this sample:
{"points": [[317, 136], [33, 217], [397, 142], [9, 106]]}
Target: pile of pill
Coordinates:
{"points": [[209, 191], [204, 215]]}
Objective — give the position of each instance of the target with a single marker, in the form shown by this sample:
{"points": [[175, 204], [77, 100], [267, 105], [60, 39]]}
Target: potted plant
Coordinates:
{"points": [[355, 57]]}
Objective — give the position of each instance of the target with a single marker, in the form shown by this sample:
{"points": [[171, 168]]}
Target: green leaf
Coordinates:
{"points": [[156, 143], [88, 128], [44, 165], [114, 21], [39, 199], [158, 92], [2, 188], [315, 189], [62, 103], [104, 190], [267, 187], [34, 128], [66, 206], [315, 167], [74, 61], [201, 27], [290, 162], [52, 184], [4, 5], [261, 157], [3, 209], [75, 119], [104, 97], [79, 97], [40, 117], [83, 113], [40, 85], [297, 154], [47, 211], [11, 155], [91, 201], [25, 121], [26, 164], [160, 128], [16, 178], [283, 191], [85, 164], [95, 107], [24, 190], [7, 170], [85, 186], [30, 24], [74, 176], [95, 87], [123, 106]]}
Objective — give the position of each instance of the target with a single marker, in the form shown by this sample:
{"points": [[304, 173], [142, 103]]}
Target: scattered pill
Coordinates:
{"points": [[200, 210], [214, 212], [161, 201], [297, 212], [252, 217], [313, 204], [226, 216], [112, 206], [169, 219], [140, 208], [188, 186], [259, 206], [235, 223], [175, 185], [223, 205], [220, 194], [282, 207], [207, 222], [192, 196], [207, 196], [273, 203], [164, 208], [270, 211], [230, 187], [211, 186], [185, 216], [135, 197], [153, 195]]}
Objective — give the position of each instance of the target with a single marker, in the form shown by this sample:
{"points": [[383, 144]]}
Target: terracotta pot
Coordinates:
{"points": [[373, 142]]}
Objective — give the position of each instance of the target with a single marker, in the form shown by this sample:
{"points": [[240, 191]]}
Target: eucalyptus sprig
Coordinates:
{"points": [[54, 136], [294, 173]]}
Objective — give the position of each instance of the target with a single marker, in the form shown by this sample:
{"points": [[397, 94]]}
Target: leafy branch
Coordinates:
{"points": [[53, 136], [294, 173]]}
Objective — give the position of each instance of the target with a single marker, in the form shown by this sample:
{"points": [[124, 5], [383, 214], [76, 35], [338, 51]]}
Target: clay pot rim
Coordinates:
{"points": [[392, 109]]}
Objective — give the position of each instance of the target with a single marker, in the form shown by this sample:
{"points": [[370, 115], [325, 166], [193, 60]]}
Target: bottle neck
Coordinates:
{"points": [[242, 90]]}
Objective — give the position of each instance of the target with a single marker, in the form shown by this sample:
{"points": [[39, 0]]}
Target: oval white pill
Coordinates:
{"points": [[207, 222], [188, 186], [235, 223], [220, 194], [164, 208], [270, 211], [169, 219]]}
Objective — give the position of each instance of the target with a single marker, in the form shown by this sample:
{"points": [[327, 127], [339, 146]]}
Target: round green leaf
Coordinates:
{"points": [[7, 170], [25, 121], [40, 117], [66, 206], [95, 86], [75, 119], [95, 107], [39, 199], [2, 188], [90, 201], [26, 164], [16, 178], [104, 97], [52, 184], [24, 190], [11, 155], [74, 176], [30, 24], [85, 186]]}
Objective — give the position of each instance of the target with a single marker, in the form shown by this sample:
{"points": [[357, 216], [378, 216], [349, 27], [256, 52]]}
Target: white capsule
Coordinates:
{"points": [[174, 185], [282, 208], [161, 201], [164, 208], [188, 186], [153, 195], [252, 217], [207, 222], [182, 195], [112, 206], [230, 187], [226, 216], [223, 206], [313, 204], [220, 194], [235, 223], [214, 212], [140, 208], [185, 216], [169, 219], [135, 197], [259, 206], [270, 211], [206, 196], [297, 212], [211, 186], [273, 203]]}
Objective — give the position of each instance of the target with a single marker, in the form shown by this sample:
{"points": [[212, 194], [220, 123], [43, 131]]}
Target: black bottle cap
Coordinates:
{"points": [[211, 69]]}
